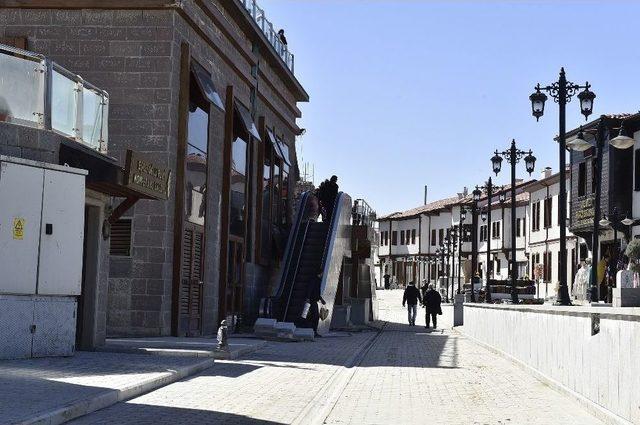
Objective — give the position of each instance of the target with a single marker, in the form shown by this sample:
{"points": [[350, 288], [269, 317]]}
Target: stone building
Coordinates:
{"points": [[205, 89]]}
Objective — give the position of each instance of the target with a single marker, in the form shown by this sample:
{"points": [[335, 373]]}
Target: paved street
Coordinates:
{"points": [[403, 375]]}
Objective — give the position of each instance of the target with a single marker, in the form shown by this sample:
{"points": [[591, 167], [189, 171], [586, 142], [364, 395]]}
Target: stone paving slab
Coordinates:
{"points": [[402, 375], [192, 347], [413, 375], [273, 385], [55, 389]]}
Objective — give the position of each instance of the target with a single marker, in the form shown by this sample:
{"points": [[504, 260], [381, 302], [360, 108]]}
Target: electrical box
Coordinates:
{"points": [[41, 228]]}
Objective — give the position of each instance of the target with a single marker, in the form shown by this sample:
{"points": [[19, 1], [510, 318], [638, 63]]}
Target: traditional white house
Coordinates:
{"points": [[543, 229], [497, 227], [409, 240]]}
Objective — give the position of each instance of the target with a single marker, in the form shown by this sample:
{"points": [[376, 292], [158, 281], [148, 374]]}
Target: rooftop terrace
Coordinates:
{"points": [[258, 15]]}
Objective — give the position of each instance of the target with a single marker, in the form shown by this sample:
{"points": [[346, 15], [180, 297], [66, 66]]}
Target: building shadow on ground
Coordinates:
{"points": [[145, 414]]}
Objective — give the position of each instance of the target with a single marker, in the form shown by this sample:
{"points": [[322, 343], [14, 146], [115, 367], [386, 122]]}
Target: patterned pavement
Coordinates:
{"points": [[403, 375]]}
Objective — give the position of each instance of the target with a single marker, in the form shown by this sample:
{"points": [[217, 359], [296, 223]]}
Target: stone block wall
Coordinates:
{"points": [[135, 56]]}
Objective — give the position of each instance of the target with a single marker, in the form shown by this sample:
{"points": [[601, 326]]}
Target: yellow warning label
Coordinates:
{"points": [[18, 228]]}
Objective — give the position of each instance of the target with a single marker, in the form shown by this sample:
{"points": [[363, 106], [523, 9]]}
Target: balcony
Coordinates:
{"points": [[37, 92], [258, 15]]}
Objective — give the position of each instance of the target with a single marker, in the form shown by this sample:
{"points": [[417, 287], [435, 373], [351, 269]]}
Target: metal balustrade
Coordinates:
{"points": [[258, 15], [37, 92], [362, 213]]}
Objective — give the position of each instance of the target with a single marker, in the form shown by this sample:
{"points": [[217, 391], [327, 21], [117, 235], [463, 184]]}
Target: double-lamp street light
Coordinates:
{"points": [[513, 155], [489, 188], [562, 91], [462, 218]]}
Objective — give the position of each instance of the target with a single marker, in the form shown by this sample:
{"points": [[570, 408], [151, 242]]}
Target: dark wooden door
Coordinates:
{"points": [[191, 285]]}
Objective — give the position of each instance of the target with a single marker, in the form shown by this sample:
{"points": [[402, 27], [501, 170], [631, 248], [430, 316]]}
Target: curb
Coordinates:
{"points": [[183, 352], [108, 398], [595, 409], [233, 355], [317, 410]]}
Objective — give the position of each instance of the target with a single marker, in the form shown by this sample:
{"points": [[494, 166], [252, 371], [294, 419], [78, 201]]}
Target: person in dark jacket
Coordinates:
{"points": [[432, 301], [411, 297], [313, 296], [328, 192]]}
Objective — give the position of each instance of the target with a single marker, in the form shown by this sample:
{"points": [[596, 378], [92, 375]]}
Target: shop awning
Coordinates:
{"points": [[285, 151], [206, 85], [247, 120], [274, 144], [108, 177]]}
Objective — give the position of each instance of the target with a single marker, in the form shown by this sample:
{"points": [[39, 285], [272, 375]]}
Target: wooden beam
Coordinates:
{"points": [[88, 4], [122, 208], [225, 199], [178, 212]]}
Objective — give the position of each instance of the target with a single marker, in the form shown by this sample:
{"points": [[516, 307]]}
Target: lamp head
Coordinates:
{"points": [[537, 103], [586, 101]]}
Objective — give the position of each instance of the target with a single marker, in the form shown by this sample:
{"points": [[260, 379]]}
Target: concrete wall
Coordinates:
{"points": [[558, 343]]}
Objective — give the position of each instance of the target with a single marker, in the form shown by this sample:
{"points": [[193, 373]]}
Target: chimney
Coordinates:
{"points": [[546, 173], [425, 194]]}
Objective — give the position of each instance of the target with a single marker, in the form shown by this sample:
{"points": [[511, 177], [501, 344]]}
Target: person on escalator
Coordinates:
{"points": [[313, 296], [314, 207], [328, 192]]}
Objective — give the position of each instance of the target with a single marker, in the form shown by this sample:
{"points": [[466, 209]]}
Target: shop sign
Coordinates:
{"points": [[584, 214], [143, 175]]}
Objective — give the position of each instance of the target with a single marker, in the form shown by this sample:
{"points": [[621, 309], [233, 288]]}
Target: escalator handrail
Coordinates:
{"points": [[295, 272], [335, 216], [291, 241]]}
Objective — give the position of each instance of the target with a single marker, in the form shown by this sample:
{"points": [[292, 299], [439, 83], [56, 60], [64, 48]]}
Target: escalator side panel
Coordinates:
{"points": [[338, 248], [289, 253]]}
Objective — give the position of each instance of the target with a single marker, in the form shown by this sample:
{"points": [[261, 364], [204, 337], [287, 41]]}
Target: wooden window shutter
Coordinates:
{"points": [[121, 238]]}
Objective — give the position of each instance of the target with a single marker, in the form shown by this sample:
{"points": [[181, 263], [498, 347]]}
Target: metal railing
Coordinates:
{"points": [[362, 214], [37, 92], [258, 15]]}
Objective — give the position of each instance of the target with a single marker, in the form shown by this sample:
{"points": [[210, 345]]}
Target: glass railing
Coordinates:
{"points": [[258, 15], [37, 92]]}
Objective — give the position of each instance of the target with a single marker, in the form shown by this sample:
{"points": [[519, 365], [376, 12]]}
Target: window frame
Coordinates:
{"points": [[582, 179]]}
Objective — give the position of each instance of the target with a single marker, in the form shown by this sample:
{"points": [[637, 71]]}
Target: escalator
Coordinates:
{"points": [[312, 248]]}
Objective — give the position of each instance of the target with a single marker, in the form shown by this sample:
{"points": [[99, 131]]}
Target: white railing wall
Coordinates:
{"points": [[258, 15]]}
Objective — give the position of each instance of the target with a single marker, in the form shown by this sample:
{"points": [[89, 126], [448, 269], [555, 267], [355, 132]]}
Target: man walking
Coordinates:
{"points": [[432, 301], [411, 297]]}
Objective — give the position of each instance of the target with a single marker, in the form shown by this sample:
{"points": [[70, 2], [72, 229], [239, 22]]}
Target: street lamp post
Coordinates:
{"points": [[562, 91], [463, 216], [513, 155], [442, 263], [486, 215], [474, 241], [453, 249]]}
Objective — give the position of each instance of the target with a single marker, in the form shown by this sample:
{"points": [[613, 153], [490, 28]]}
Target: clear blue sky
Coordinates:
{"points": [[408, 93]]}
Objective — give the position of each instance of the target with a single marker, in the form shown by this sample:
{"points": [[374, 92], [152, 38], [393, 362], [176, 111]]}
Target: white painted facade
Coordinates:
{"points": [[534, 238], [544, 237]]}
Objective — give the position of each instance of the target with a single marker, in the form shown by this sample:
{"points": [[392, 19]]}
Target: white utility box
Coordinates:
{"points": [[41, 247]]}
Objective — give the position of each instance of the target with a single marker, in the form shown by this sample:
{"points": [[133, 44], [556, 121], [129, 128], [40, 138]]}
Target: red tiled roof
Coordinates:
{"points": [[430, 207]]}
